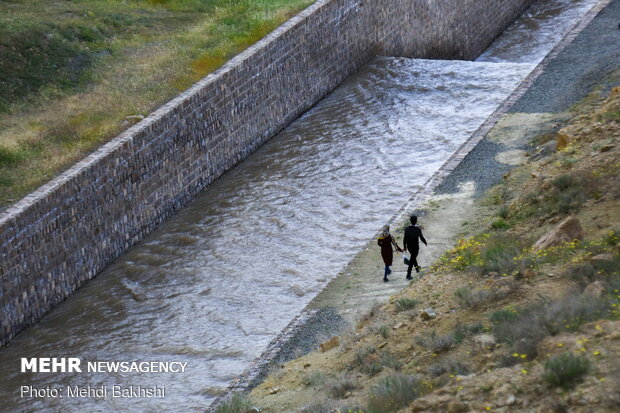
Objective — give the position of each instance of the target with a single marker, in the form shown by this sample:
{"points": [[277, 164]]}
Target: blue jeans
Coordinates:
{"points": [[387, 271]]}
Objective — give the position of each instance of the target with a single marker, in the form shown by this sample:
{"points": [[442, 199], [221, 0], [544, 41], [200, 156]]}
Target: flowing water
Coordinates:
{"points": [[217, 282]]}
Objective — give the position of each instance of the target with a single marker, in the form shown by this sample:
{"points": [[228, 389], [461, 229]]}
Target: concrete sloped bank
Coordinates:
{"points": [[63, 234], [447, 201]]}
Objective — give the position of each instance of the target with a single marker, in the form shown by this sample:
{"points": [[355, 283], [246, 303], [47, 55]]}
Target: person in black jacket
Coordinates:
{"points": [[413, 234]]}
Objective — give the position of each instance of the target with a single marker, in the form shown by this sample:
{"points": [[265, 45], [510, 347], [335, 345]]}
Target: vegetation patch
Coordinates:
{"points": [[404, 304], [393, 392], [565, 369]]}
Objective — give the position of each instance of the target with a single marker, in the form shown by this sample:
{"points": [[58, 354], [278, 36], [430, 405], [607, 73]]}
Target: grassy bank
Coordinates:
{"points": [[517, 324], [73, 74]]}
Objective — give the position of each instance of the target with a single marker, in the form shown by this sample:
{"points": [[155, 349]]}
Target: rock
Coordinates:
{"points": [[457, 407], [601, 260], [545, 150], [566, 231], [399, 325], [381, 345], [274, 390], [485, 341], [595, 289], [511, 400], [330, 344], [602, 327], [562, 140], [607, 148], [428, 314], [307, 365], [553, 345], [253, 410], [130, 120], [432, 402]]}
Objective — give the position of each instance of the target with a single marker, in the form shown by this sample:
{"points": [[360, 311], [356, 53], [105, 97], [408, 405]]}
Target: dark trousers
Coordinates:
{"points": [[413, 261]]}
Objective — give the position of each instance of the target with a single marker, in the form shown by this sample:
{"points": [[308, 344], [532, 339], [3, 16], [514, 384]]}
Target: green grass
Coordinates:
{"points": [[71, 72]]}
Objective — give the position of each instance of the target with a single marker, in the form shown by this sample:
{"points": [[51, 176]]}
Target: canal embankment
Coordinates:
{"points": [[562, 127]]}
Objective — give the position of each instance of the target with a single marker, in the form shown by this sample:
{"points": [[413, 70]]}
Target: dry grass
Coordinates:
{"points": [[79, 69]]}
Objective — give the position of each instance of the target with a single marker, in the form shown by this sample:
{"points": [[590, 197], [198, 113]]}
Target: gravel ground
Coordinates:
{"points": [[587, 62], [591, 60]]}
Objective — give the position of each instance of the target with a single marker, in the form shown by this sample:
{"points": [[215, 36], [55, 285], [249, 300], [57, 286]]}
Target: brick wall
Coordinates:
{"points": [[63, 234]]}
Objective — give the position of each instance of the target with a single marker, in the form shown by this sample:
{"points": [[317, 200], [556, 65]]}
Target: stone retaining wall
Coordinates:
{"points": [[66, 232]]}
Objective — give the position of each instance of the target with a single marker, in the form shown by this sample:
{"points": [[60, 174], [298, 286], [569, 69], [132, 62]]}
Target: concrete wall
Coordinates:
{"points": [[63, 234]]}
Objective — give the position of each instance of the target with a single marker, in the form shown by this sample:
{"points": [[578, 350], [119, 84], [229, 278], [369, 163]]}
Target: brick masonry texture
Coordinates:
{"points": [[63, 234]]}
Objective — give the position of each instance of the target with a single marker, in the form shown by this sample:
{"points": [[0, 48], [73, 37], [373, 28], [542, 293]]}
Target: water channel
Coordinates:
{"points": [[217, 282]]}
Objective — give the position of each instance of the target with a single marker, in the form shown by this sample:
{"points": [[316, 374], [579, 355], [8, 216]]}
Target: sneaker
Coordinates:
{"points": [[418, 268], [409, 277], [385, 279]]}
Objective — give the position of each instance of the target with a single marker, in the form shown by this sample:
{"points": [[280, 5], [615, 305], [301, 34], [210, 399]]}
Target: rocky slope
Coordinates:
{"points": [[521, 315]]}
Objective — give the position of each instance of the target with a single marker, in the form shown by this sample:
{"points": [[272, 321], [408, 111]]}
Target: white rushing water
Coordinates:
{"points": [[216, 283]]}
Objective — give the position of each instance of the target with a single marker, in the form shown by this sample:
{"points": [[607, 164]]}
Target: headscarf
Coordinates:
{"points": [[385, 232]]}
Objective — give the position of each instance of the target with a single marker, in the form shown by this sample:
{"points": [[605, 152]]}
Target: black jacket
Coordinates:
{"points": [[412, 234]]}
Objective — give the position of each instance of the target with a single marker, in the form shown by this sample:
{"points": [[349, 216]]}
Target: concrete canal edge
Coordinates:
{"points": [[319, 320], [60, 236]]}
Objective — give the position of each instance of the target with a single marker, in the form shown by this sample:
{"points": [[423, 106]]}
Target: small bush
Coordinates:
{"points": [[404, 304], [565, 369], [503, 212], [313, 379], [448, 366], [236, 404], [582, 273], [367, 361], [388, 360], [533, 323], [393, 392], [339, 387], [462, 331], [468, 298], [563, 182], [436, 343], [500, 224], [384, 330]]}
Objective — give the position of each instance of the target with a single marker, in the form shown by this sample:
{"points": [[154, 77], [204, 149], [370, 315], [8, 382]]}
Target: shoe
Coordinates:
{"points": [[417, 269], [409, 277], [385, 279]]}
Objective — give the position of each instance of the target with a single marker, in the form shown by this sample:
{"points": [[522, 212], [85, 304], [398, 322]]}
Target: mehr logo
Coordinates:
{"points": [[51, 365]]}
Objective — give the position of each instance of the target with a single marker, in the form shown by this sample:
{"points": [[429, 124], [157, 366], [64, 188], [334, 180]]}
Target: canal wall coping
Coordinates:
{"points": [[67, 231]]}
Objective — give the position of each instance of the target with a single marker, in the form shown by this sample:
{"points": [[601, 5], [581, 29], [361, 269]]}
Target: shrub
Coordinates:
{"points": [[367, 361], [448, 366], [388, 360], [236, 404], [565, 369], [582, 273], [404, 304], [462, 331], [436, 343], [313, 379], [468, 298], [503, 212], [500, 224], [384, 330], [564, 181], [536, 321], [338, 387], [393, 392]]}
